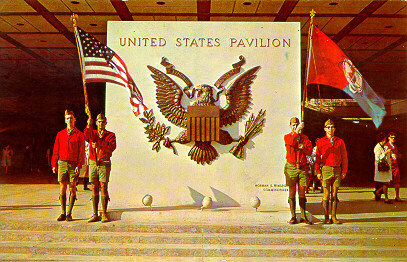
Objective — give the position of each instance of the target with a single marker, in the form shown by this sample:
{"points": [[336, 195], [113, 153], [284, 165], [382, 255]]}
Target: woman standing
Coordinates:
{"points": [[382, 152], [6, 155]]}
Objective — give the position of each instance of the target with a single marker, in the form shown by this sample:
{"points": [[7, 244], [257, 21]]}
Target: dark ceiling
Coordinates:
{"points": [[40, 73]]}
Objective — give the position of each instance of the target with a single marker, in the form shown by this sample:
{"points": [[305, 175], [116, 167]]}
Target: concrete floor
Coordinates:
{"points": [[35, 198]]}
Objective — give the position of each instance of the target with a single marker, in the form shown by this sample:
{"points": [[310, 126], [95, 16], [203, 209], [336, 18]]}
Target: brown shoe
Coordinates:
{"points": [[376, 196], [293, 220], [94, 218], [62, 217], [327, 221], [69, 218], [305, 220], [104, 218]]}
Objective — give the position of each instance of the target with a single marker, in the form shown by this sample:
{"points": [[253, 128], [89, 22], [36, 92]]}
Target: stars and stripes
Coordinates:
{"points": [[101, 64]]}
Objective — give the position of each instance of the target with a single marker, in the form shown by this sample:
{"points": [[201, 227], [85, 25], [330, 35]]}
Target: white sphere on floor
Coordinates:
{"points": [[255, 202], [207, 202], [147, 200]]}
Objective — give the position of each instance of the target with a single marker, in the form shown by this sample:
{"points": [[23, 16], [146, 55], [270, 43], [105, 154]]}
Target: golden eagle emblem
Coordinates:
{"points": [[203, 119]]}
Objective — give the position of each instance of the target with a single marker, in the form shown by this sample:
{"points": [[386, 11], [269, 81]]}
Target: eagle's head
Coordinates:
{"points": [[204, 96]]}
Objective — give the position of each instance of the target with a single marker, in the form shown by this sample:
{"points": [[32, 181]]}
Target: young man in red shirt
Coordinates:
{"points": [[102, 143], [298, 146], [332, 156], [67, 159]]}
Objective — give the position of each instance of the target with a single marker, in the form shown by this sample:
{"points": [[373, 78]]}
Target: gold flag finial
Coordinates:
{"points": [[74, 17], [312, 13]]}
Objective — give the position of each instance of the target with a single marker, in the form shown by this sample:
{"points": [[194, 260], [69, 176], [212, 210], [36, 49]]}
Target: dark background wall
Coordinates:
{"points": [[38, 131]]}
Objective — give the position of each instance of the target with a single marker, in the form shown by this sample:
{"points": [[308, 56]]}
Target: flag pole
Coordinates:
{"points": [[305, 94], [74, 17], [310, 56]]}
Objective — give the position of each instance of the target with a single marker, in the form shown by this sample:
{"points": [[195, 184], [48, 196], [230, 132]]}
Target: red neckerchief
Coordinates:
{"points": [[100, 135]]}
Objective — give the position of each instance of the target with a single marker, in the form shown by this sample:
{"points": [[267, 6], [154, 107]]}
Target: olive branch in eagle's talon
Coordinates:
{"points": [[156, 132]]}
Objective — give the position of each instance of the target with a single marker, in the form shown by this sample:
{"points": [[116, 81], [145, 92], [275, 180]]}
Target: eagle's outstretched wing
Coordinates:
{"points": [[169, 96], [238, 97]]}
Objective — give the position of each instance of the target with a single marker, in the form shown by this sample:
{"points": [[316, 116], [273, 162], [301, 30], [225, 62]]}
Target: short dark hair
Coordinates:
{"points": [[69, 112], [381, 136], [392, 134]]}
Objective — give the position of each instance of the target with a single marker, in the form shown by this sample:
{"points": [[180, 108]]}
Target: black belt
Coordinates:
{"points": [[300, 166], [101, 162], [68, 161]]}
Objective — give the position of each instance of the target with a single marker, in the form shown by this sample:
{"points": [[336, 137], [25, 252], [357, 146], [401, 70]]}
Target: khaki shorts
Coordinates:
{"points": [[101, 172], [294, 175], [331, 175], [66, 171]]}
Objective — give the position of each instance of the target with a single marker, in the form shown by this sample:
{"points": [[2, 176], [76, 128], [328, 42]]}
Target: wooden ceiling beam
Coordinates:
{"points": [[204, 10], [122, 10], [365, 13], [50, 17], [399, 42], [285, 10]]}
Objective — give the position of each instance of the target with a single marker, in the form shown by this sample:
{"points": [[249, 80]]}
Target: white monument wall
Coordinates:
{"points": [[176, 180]]}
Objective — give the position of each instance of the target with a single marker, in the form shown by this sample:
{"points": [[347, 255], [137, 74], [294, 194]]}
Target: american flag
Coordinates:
{"points": [[102, 64]]}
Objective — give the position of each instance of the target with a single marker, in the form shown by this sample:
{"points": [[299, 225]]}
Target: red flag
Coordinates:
{"points": [[325, 61], [328, 65]]}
